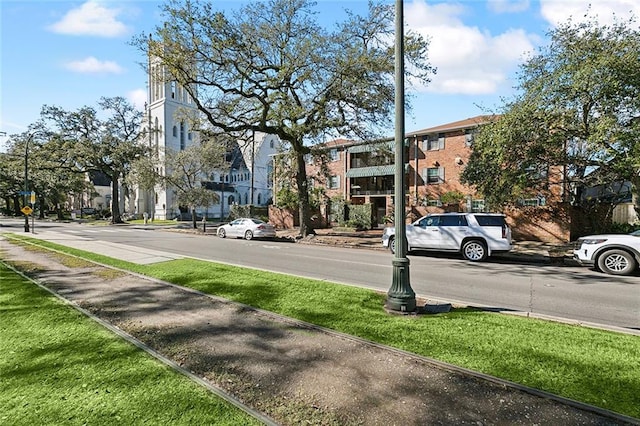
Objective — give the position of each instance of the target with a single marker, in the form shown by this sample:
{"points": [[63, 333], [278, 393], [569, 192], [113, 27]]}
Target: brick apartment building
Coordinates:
{"points": [[364, 173]]}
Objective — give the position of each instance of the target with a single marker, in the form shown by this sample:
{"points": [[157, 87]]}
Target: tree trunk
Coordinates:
{"points": [[193, 218], [306, 227], [41, 201], [115, 200], [16, 205]]}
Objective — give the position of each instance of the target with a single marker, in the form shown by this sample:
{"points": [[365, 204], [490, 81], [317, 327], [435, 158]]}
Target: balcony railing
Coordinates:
{"points": [[372, 192]]}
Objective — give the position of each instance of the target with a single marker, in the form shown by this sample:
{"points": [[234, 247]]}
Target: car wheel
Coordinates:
{"points": [[222, 233], [248, 235], [616, 262], [392, 245], [474, 250]]}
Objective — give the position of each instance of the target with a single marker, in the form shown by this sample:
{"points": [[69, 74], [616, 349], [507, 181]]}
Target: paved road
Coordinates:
{"points": [[575, 293]]}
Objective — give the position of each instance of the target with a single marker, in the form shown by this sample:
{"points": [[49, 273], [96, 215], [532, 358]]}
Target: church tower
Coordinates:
{"points": [[169, 112]]}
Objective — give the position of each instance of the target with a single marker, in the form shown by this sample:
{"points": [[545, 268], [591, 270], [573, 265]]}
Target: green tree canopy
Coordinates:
{"points": [[189, 170], [272, 67], [578, 109], [86, 142]]}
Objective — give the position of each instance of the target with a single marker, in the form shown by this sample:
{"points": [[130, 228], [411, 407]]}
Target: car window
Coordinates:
{"points": [[236, 222], [453, 220], [257, 221], [430, 221], [490, 220]]}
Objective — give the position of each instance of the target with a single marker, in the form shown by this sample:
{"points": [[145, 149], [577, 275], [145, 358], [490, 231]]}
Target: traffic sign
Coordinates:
{"points": [[25, 192], [27, 210], [33, 197]]}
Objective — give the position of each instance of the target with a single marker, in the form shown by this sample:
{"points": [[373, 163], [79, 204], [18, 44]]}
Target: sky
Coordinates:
{"points": [[71, 53]]}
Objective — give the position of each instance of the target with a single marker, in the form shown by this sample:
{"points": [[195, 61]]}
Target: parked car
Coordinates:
{"points": [[615, 254], [247, 228], [475, 235]]}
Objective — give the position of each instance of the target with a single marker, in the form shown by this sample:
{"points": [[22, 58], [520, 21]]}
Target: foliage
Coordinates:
{"points": [[360, 216], [189, 170], [85, 142], [38, 148], [271, 67], [577, 111], [339, 210], [236, 211], [452, 197]]}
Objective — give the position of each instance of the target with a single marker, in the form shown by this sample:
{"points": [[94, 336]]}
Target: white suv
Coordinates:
{"points": [[615, 254], [475, 235]]}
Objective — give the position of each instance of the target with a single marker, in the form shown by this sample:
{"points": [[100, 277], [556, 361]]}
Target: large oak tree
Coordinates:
{"points": [[87, 142], [578, 109], [272, 67]]}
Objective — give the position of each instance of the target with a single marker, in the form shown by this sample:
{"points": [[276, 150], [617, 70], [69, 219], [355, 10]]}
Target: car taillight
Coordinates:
{"points": [[504, 231], [260, 227]]}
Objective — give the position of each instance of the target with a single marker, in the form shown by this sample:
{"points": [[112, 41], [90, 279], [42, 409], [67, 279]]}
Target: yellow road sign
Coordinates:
{"points": [[27, 210]]}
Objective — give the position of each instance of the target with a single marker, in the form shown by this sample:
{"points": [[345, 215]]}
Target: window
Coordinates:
{"points": [[433, 142], [175, 131], [433, 175], [334, 182], [429, 221], [453, 220], [271, 144], [477, 206], [173, 90], [182, 141], [334, 155], [259, 199], [190, 136], [533, 202], [433, 203], [490, 220], [230, 200]]}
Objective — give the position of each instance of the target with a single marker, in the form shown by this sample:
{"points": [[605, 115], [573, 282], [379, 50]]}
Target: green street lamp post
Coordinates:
{"points": [[26, 181], [400, 297]]}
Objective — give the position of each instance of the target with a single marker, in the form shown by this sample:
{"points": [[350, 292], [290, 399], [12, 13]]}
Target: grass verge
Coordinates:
{"points": [[59, 367], [593, 366]]}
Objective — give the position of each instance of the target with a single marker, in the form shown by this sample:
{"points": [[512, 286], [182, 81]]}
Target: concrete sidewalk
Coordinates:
{"points": [[129, 253]]}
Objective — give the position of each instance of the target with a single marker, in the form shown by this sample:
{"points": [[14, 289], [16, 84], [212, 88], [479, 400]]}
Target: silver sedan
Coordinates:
{"points": [[247, 228]]}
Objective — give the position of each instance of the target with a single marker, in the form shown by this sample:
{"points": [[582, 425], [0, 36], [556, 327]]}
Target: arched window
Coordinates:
{"points": [[259, 199], [231, 199], [157, 134], [182, 140], [246, 198]]}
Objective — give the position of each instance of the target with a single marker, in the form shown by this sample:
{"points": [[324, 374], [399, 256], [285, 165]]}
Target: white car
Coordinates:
{"points": [[475, 235], [247, 228], [615, 254]]}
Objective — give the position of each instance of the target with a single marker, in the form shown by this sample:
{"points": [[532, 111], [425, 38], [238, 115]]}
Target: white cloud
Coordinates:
{"points": [[508, 6], [557, 12], [93, 19], [469, 60], [138, 98], [93, 65]]}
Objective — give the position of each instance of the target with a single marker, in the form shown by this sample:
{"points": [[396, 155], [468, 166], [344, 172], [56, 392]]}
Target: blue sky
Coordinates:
{"points": [[71, 53]]}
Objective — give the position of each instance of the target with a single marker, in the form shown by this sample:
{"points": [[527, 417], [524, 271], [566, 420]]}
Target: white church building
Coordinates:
{"points": [[248, 180]]}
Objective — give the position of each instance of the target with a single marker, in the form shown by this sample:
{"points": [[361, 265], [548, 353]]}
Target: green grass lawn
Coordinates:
{"points": [[59, 367], [593, 366]]}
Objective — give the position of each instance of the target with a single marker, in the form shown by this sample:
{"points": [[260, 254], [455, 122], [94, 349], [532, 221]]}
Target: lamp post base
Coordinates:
{"points": [[401, 297]]}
